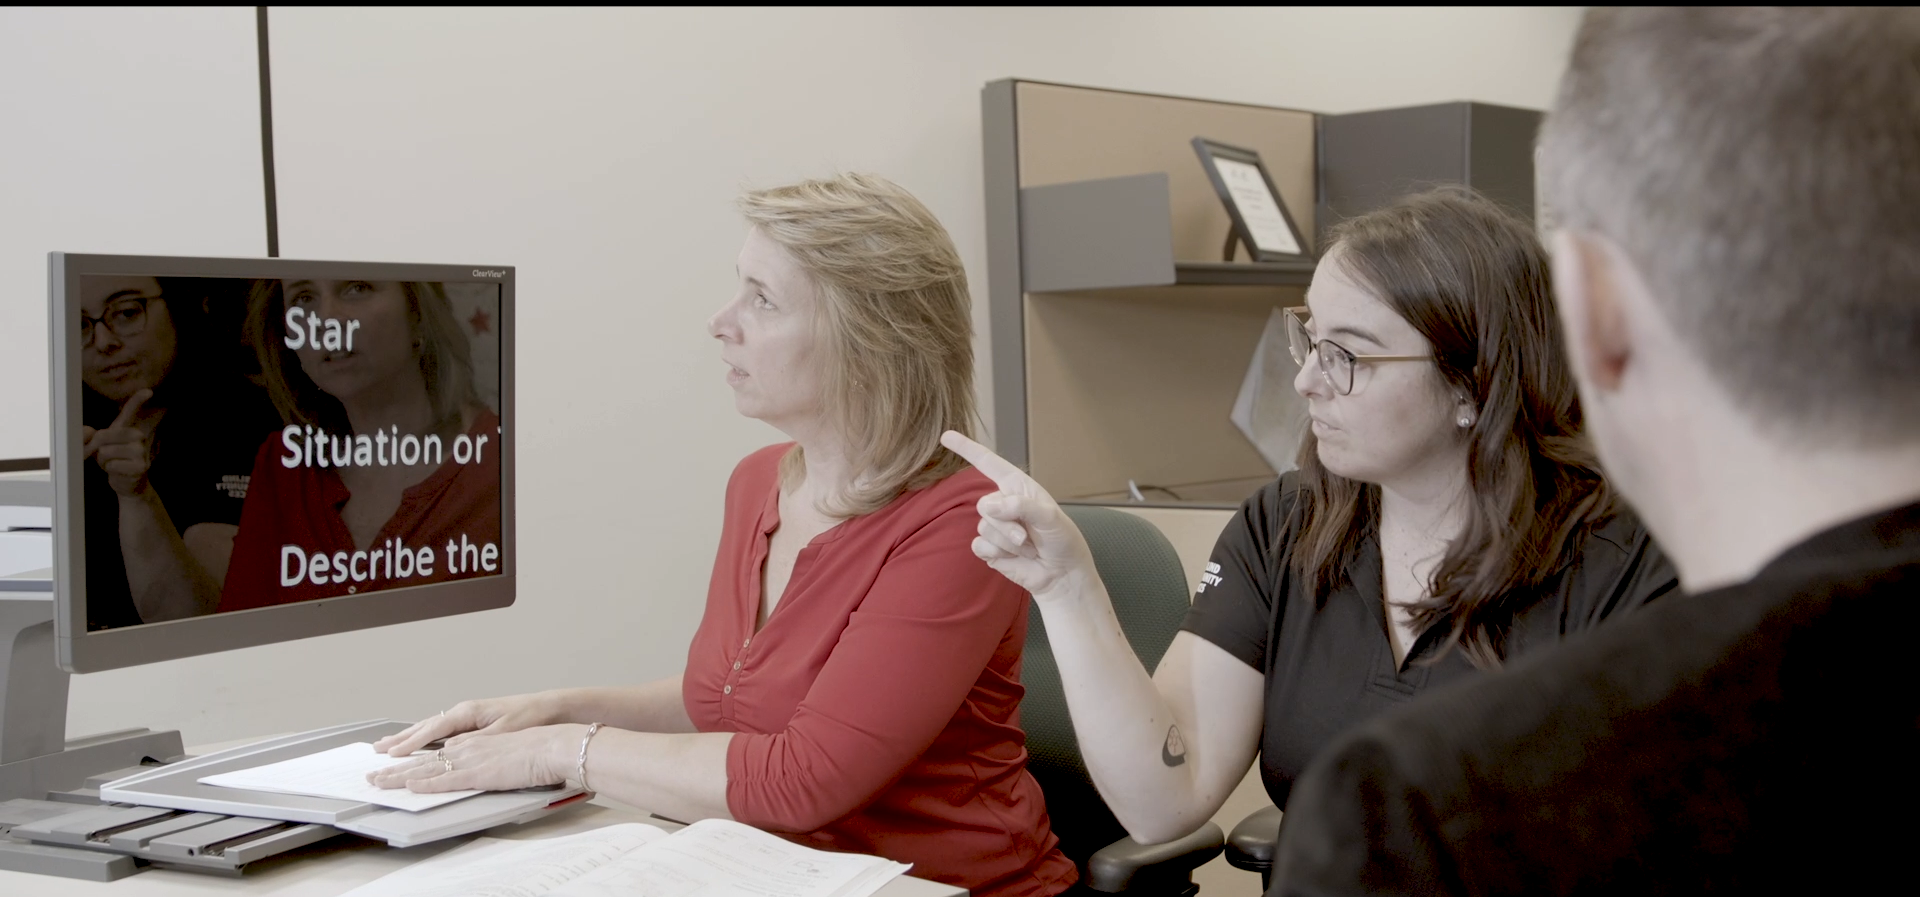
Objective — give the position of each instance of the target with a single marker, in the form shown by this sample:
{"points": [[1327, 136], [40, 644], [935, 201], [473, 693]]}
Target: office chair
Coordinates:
{"points": [[1251, 845], [1143, 577]]}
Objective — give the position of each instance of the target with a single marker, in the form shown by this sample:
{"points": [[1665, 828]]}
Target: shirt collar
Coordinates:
{"points": [[1883, 532]]}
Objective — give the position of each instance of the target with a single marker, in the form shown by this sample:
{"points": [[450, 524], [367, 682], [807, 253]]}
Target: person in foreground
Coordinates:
{"points": [[854, 683], [1445, 517], [1737, 209]]}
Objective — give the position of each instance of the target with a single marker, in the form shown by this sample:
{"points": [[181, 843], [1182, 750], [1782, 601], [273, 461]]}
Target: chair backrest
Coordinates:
{"points": [[1149, 592]]}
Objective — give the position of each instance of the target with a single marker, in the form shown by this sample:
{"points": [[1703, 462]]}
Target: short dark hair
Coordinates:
{"points": [[1471, 277], [1761, 168]]}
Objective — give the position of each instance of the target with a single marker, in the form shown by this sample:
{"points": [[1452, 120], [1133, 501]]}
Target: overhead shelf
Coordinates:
{"points": [[1115, 233], [1243, 274]]}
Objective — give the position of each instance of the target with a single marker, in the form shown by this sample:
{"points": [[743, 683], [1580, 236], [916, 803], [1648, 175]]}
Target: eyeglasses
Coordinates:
{"points": [[1336, 363], [124, 318]]}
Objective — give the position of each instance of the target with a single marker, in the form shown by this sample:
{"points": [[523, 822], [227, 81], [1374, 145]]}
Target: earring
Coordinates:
{"points": [[1466, 420]]}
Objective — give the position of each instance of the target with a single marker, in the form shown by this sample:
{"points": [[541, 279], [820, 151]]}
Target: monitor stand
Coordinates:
{"points": [[37, 762]]}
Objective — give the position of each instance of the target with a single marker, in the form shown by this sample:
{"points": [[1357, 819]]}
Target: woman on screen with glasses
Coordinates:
{"points": [[1446, 516], [854, 683], [168, 439]]}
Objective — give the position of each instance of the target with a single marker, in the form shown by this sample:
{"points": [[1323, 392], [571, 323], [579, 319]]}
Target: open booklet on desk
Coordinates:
{"points": [[711, 858]]}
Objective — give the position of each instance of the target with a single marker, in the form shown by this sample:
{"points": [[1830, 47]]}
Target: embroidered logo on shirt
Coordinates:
{"points": [[234, 485], [1209, 578]]}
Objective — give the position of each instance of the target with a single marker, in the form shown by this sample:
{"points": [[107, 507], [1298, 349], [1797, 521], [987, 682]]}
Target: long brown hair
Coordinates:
{"points": [[1472, 278]]}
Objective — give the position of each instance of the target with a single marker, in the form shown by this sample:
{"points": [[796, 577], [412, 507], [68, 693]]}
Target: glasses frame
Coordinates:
{"points": [[1299, 314], [88, 323]]}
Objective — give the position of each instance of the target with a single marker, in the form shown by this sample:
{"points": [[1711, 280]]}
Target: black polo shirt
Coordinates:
{"points": [[1328, 664], [1759, 738], [201, 459]]}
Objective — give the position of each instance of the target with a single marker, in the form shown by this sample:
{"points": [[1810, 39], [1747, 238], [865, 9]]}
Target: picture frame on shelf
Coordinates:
{"points": [[1260, 220]]}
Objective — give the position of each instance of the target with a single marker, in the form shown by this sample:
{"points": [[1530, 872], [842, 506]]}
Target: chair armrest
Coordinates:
{"points": [[1128, 864], [1250, 847]]}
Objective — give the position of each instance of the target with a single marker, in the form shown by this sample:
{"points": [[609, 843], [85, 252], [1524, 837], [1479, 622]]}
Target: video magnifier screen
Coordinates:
{"points": [[254, 442]]}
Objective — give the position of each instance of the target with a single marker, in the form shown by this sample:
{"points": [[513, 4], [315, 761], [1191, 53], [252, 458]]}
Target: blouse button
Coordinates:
{"points": [[749, 641], [736, 664], [727, 690]]}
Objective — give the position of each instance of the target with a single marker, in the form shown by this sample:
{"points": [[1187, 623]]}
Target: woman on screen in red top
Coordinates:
{"points": [[854, 683], [386, 473]]}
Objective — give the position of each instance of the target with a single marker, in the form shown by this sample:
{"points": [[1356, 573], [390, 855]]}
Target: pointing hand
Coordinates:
{"points": [[1023, 533]]}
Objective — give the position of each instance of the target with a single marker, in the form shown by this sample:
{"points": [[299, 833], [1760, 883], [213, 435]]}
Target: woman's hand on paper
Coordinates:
{"points": [[489, 716], [1023, 533], [543, 755]]}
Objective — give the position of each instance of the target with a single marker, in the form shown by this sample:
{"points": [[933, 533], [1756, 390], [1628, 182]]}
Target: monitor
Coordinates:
{"points": [[249, 451]]}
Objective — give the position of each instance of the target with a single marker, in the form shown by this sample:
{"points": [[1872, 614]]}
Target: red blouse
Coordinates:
{"points": [[879, 708]]}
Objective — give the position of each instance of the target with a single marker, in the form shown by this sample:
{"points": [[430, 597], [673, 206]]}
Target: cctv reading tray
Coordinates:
{"points": [[167, 816], [177, 787]]}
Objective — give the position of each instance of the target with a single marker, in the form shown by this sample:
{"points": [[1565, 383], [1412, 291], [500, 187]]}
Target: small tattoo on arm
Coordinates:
{"points": [[1174, 752]]}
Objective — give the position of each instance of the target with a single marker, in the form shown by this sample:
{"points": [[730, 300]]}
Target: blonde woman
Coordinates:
{"points": [[409, 370], [854, 683]]}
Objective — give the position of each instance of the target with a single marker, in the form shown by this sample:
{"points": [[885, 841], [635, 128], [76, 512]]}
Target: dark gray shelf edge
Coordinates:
{"points": [[1279, 274], [1212, 274]]}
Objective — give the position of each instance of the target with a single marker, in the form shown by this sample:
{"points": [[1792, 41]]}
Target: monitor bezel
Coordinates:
{"points": [[80, 651]]}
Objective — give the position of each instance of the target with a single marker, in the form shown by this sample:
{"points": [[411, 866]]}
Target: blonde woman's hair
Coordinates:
{"points": [[444, 351], [896, 328]]}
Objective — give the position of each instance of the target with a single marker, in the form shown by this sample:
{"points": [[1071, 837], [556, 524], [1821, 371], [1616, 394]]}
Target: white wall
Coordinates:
{"points": [[126, 130], [599, 151]]}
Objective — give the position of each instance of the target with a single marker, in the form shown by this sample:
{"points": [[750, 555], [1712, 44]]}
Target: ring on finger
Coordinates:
{"points": [[446, 763]]}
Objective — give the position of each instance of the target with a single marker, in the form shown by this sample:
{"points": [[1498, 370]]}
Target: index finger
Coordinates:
{"points": [[131, 408], [998, 469]]}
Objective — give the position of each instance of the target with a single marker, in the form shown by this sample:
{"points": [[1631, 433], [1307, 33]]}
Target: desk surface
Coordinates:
{"points": [[339, 865]]}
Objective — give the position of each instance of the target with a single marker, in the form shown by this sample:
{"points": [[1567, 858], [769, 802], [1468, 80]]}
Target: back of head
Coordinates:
{"points": [[1761, 169], [895, 322]]}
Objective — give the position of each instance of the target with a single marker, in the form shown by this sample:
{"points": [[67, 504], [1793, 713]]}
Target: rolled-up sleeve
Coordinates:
{"points": [[909, 655]]}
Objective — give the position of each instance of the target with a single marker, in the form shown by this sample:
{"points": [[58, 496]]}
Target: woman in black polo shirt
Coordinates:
{"points": [[1447, 515], [169, 433]]}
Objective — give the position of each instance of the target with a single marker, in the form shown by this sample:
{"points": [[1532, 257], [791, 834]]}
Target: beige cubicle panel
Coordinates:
{"points": [[1079, 134], [1098, 387], [1137, 385]]}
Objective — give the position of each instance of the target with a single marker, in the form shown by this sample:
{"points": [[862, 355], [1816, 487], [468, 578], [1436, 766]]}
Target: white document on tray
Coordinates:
{"points": [[711, 858], [340, 773]]}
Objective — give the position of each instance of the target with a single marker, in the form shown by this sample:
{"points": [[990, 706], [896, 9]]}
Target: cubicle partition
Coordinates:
{"points": [[1121, 330], [1120, 336]]}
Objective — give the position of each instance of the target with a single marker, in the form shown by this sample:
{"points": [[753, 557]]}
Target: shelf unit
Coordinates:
{"points": [[1120, 338]]}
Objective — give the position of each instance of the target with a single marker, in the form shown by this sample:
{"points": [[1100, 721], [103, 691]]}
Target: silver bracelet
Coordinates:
{"points": [[581, 769]]}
